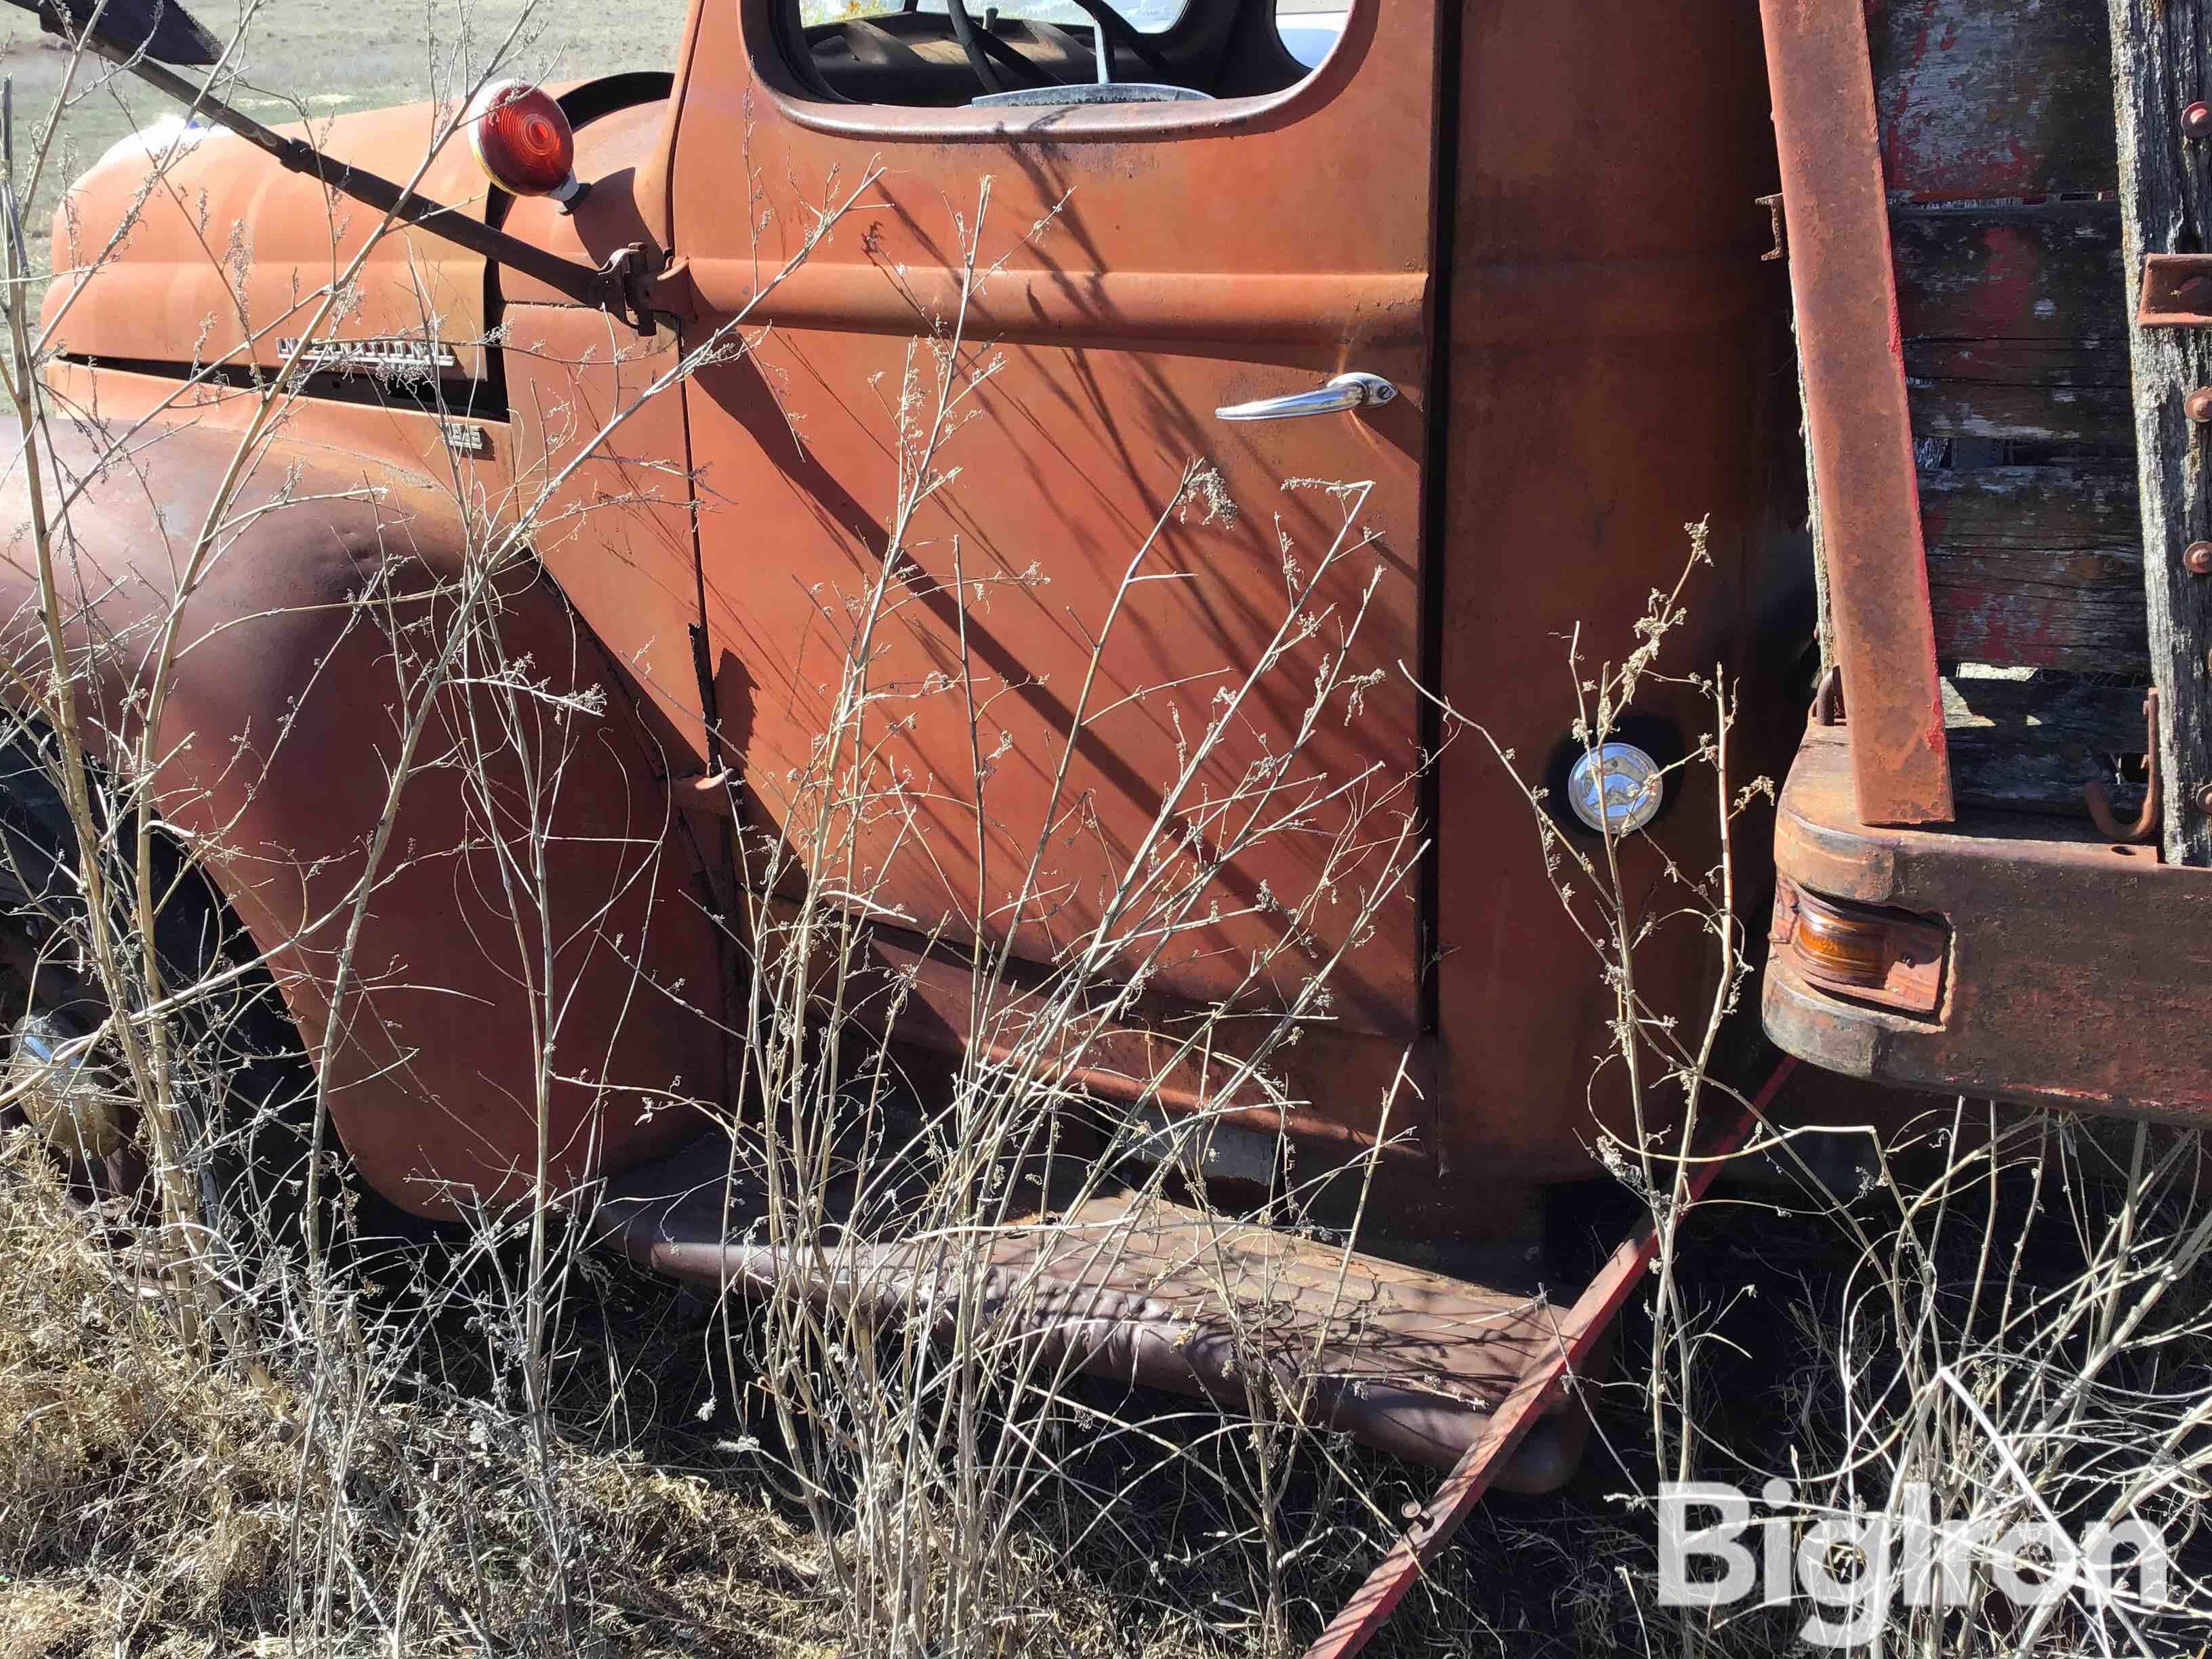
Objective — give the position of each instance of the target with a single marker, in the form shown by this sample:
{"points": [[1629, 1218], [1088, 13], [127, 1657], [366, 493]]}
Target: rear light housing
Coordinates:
{"points": [[1889, 957], [522, 140]]}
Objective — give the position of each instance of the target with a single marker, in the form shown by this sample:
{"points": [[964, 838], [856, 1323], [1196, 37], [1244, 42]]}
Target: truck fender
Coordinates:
{"points": [[472, 1008]]}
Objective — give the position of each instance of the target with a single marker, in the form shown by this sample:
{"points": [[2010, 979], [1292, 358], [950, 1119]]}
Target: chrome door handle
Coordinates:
{"points": [[1345, 391]]}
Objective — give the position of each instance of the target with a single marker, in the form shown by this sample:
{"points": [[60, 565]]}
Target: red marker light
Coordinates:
{"points": [[523, 142]]}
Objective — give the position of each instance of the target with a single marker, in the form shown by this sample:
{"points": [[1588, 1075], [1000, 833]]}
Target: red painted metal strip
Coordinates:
{"points": [[1855, 416], [1372, 1604]]}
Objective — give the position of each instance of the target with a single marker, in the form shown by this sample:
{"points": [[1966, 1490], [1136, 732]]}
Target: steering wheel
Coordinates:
{"points": [[980, 47], [988, 55], [1120, 31]]}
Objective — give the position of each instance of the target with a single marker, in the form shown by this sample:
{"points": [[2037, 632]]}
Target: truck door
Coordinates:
{"points": [[1256, 229]]}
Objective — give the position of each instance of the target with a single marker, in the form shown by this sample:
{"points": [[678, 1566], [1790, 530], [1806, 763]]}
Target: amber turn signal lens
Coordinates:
{"points": [[1846, 948], [522, 140], [1866, 953]]}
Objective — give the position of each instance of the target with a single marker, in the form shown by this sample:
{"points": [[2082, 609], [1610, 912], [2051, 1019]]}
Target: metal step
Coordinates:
{"points": [[1134, 1286]]}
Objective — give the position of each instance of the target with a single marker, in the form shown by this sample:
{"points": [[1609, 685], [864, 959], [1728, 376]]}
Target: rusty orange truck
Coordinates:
{"points": [[1524, 275]]}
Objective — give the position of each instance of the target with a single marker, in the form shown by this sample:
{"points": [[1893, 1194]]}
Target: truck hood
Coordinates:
{"points": [[229, 256]]}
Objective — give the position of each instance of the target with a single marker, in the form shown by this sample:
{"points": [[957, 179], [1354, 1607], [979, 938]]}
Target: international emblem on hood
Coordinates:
{"points": [[392, 356]]}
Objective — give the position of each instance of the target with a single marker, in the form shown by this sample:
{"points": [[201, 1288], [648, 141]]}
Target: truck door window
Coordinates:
{"points": [[948, 54]]}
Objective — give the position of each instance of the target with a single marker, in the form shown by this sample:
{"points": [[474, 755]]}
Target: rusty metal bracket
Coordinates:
{"points": [[2176, 291], [2147, 821], [1828, 697], [1773, 206], [624, 287]]}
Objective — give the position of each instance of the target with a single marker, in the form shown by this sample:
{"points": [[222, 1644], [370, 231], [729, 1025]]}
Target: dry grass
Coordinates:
{"points": [[151, 1503]]}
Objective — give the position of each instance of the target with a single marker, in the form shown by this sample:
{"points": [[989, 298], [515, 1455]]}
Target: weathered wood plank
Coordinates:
{"points": [[1993, 98], [2159, 67], [2021, 391], [2011, 323], [2033, 271], [2029, 746], [2036, 567]]}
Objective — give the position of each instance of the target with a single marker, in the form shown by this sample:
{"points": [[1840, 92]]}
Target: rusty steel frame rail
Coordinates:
{"points": [[1855, 416], [1593, 1313]]}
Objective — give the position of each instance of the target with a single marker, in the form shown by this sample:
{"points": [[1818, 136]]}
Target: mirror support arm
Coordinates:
{"points": [[624, 287]]}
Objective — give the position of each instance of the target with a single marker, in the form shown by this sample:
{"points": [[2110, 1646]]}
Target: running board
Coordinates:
{"points": [[1411, 1362]]}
